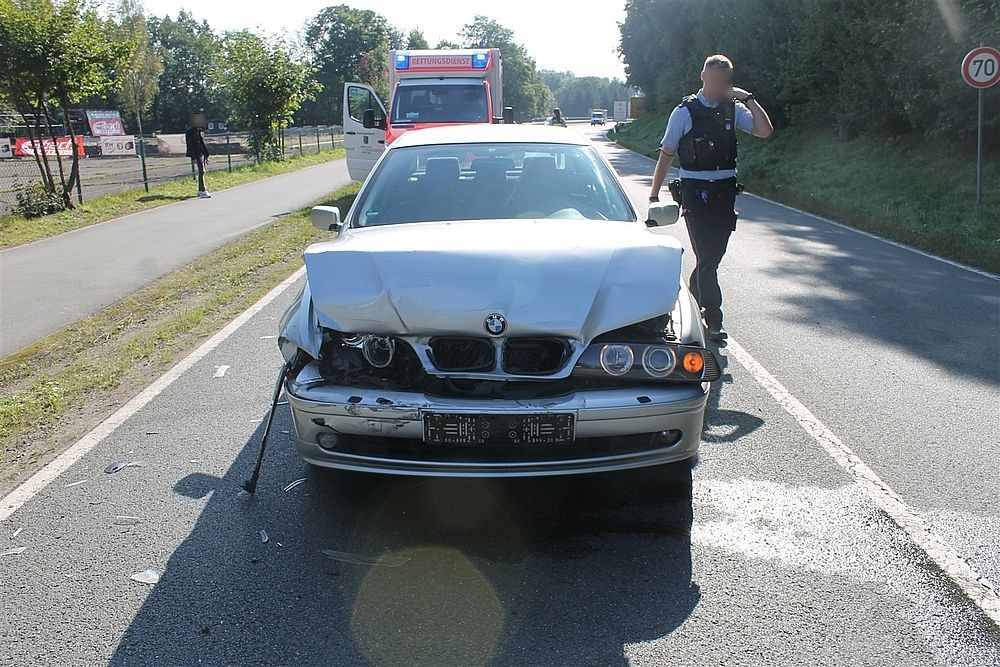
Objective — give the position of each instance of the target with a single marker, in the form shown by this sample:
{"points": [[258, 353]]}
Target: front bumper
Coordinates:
{"points": [[382, 431]]}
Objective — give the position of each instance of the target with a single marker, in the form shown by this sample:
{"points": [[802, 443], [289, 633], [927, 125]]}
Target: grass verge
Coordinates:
{"points": [[63, 385], [920, 194], [16, 230]]}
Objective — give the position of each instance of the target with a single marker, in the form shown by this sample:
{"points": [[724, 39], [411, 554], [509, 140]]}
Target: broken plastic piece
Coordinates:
{"points": [[16, 532], [268, 337], [76, 483], [360, 559], [121, 465], [263, 536], [146, 577], [124, 520], [220, 371], [292, 485], [15, 551]]}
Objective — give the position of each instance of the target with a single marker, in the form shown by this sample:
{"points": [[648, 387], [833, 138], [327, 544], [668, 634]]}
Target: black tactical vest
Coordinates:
{"points": [[710, 144]]}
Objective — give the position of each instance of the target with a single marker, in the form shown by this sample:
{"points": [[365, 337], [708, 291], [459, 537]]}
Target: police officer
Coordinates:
{"points": [[702, 131]]}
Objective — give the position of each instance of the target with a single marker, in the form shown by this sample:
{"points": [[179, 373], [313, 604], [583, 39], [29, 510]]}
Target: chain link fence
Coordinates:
{"points": [[114, 164]]}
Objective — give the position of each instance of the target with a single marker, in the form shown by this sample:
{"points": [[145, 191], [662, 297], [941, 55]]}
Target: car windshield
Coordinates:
{"points": [[441, 103], [491, 181]]}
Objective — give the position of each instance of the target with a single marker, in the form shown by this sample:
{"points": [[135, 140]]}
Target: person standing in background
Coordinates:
{"points": [[197, 150]]}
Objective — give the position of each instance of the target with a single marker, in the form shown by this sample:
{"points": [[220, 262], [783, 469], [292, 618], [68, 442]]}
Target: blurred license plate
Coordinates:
{"points": [[441, 428]]}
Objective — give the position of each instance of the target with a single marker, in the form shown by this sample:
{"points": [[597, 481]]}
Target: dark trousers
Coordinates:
{"points": [[711, 219], [201, 172]]}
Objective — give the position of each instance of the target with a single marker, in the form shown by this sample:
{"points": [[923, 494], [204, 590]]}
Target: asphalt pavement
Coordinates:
{"points": [[49, 284], [774, 553]]}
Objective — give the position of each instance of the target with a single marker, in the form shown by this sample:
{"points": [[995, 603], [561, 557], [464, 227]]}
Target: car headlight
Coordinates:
{"points": [[378, 350], [643, 362], [659, 361], [617, 360]]}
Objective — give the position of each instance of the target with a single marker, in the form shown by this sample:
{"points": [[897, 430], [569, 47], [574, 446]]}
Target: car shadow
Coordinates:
{"points": [[564, 570]]}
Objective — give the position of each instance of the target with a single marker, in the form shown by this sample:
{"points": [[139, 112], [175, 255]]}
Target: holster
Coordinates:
{"points": [[674, 186]]}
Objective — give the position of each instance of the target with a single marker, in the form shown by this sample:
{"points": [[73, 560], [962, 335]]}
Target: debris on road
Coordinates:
{"points": [[292, 485], [76, 483], [220, 371], [15, 551], [152, 432], [268, 337], [146, 577], [360, 559], [16, 532], [263, 536], [121, 465], [125, 520]]}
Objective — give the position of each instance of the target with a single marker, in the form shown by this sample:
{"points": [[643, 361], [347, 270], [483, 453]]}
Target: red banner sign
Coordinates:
{"points": [[105, 123], [28, 148]]}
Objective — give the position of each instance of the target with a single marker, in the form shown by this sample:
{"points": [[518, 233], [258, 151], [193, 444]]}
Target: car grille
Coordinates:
{"points": [[470, 355], [534, 356]]}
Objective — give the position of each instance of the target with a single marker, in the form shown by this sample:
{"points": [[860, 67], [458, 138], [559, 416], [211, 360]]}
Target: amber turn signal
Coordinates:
{"points": [[693, 362]]}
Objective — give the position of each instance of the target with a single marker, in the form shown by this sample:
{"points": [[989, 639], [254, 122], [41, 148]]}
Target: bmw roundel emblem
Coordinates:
{"points": [[495, 324]]}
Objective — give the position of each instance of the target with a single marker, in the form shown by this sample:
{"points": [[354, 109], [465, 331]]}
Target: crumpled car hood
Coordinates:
{"points": [[568, 278]]}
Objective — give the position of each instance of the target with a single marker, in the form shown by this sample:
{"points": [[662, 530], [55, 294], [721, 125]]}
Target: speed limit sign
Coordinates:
{"points": [[981, 67]]}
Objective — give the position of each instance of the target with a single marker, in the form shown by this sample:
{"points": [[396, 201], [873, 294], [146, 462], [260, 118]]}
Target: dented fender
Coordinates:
{"points": [[300, 329]]}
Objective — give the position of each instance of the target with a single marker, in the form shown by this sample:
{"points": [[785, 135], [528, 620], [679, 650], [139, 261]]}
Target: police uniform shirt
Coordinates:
{"points": [[679, 124]]}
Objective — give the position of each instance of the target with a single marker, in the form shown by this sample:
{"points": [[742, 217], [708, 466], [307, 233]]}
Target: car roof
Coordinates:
{"points": [[483, 133]]}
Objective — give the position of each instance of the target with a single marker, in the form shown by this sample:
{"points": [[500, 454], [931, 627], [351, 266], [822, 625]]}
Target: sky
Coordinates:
{"points": [[558, 35]]}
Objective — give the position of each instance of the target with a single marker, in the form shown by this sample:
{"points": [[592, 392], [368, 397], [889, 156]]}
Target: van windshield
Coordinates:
{"points": [[441, 103]]}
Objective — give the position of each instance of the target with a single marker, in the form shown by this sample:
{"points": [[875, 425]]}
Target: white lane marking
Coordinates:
{"points": [[34, 484], [944, 556], [903, 246]]}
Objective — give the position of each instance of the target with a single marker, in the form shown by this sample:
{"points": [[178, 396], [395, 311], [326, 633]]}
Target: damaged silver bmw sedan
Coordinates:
{"points": [[492, 306]]}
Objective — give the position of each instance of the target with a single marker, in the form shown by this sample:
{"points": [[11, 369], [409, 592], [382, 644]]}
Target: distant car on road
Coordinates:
{"points": [[597, 118], [494, 306]]}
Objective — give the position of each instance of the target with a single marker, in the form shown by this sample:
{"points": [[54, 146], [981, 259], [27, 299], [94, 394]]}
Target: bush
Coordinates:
{"points": [[34, 201]]}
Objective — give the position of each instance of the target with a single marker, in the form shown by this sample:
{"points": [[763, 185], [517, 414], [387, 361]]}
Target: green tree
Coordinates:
{"points": [[52, 55], [188, 50], [416, 40], [265, 86], [138, 80], [577, 96], [524, 88], [346, 44], [853, 66]]}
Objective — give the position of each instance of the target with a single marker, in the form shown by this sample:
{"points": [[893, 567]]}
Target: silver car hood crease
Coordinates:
{"points": [[568, 278]]}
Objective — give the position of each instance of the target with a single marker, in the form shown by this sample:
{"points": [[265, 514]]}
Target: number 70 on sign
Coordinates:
{"points": [[981, 67]]}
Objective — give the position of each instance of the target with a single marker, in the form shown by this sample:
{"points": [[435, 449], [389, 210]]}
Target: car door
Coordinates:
{"points": [[364, 145]]}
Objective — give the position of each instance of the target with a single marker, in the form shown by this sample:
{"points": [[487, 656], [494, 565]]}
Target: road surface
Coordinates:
{"points": [[777, 553], [46, 285]]}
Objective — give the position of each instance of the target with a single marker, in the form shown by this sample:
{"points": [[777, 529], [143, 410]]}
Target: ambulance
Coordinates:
{"points": [[427, 89]]}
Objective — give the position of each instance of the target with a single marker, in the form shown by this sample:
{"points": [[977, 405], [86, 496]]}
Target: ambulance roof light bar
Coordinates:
{"points": [[478, 59]]}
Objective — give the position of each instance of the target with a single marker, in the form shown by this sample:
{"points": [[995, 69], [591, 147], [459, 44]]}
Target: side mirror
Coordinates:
{"points": [[326, 218], [662, 214], [508, 115], [368, 119]]}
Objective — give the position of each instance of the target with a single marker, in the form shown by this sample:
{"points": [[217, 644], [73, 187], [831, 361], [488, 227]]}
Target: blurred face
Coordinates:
{"points": [[198, 120], [717, 83]]}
